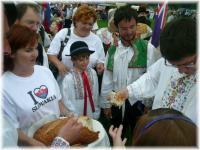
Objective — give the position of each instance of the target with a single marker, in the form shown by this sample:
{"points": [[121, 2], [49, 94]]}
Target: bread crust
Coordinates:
{"points": [[49, 131]]}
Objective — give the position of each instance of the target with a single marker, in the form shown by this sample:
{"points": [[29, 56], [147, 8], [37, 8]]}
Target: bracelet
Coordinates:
{"points": [[59, 142]]}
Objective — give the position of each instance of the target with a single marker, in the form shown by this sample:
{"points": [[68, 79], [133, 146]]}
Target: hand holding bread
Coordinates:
{"points": [[118, 98], [71, 130], [61, 126]]}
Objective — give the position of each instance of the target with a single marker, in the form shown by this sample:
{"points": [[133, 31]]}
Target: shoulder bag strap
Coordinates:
{"points": [[63, 43]]}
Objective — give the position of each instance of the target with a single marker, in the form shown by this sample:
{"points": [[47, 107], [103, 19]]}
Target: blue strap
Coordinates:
{"points": [[165, 117]]}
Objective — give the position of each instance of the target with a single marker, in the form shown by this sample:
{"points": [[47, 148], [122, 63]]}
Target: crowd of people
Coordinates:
{"points": [[71, 73]]}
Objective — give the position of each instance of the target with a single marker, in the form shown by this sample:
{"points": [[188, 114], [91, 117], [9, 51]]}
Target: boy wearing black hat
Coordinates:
{"points": [[80, 86]]}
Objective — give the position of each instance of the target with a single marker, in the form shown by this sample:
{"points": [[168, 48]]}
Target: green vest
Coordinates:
{"points": [[139, 59]]}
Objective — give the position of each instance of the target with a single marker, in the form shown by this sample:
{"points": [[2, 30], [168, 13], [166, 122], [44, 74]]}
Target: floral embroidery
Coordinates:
{"points": [[176, 95], [78, 83]]}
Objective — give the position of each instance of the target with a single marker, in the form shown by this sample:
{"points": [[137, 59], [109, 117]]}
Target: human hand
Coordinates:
{"points": [[107, 112], [24, 140], [100, 68], [62, 69], [114, 99], [71, 131], [116, 133], [34, 142], [64, 111], [69, 114]]}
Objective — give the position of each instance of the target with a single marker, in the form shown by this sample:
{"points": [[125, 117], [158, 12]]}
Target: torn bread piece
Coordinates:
{"points": [[115, 100], [86, 122]]}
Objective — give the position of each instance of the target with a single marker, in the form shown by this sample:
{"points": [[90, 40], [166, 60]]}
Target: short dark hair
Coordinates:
{"points": [[124, 13], [22, 7], [178, 39], [10, 11]]}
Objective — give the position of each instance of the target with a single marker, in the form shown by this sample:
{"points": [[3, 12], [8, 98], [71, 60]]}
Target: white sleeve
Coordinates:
{"points": [[9, 109], [57, 90], [101, 54], [45, 58], [47, 40], [153, 54], [67, 92], [146, 85], [51, 78], [10, 135], [54, 47], [106, 86], [96, 95]]}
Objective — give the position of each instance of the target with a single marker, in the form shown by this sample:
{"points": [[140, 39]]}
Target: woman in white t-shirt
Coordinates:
{"points": [[29, 91], [83, 21]]}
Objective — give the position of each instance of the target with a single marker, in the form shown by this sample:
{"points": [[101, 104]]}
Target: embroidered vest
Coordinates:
{"points": [[139, 59]]}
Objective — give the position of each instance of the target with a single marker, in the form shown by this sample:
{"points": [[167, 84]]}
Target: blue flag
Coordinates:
{"points": [[159, 19]]}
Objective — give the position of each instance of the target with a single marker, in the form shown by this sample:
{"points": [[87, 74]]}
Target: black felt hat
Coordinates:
{"points": [[79, 47], [142, 9]]}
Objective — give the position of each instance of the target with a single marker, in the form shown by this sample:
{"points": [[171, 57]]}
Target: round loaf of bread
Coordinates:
{"points": [[49, 131]]}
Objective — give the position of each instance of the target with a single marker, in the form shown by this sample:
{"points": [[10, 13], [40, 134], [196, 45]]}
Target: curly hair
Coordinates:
{"points": [[84, 13]]}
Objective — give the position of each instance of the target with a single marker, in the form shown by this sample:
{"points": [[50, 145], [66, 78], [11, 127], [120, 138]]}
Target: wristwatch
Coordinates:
{"points": [[59, 142]]}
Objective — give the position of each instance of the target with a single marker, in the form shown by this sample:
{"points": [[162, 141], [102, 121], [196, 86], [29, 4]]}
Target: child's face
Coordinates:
{"points": [[81, 61]]}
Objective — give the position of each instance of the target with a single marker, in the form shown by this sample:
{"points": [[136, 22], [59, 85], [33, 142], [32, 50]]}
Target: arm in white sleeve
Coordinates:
{"points": [[106, 87], [101, 54], [153, 54], [45, 58], [9, 109], [56, 86], [96, 95], [146, 85], [54, 47], [47, 40], [10, 134], [67, 93]]}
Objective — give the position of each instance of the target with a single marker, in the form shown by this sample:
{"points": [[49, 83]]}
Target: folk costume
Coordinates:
{"points": [[123, 66]]}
